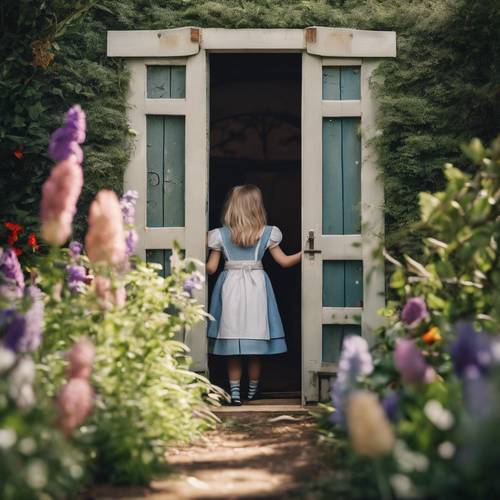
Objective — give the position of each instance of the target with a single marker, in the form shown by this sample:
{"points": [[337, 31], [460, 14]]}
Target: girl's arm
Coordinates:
{"points": [[213, 261], [283, 259]]}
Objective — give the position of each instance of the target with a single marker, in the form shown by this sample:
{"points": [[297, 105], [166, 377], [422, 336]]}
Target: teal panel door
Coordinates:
{"points": [[342, 283]]}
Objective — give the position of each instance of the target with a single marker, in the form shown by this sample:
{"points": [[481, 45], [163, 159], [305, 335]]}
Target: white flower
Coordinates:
{"points": [[403, 487], [7, 358], [438, 415], [21, 381], [408, 460], [7, 438], [446, 450]]}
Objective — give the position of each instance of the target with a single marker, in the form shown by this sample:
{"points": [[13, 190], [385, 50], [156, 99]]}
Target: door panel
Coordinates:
{"points": [[332, 274], [169, 165]]}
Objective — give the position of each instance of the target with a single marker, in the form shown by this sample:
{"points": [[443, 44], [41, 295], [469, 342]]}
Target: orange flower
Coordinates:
{"points": [[432, 335]]}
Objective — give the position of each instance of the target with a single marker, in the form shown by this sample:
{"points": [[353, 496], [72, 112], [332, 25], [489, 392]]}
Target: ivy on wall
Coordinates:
{"points": [[442, 89]]}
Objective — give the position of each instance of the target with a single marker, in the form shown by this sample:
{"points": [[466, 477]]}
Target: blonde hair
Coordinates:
{"points": [[244, 214]]}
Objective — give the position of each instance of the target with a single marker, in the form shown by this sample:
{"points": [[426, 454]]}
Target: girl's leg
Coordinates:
{"points": [[254, 369], [234, 372]]}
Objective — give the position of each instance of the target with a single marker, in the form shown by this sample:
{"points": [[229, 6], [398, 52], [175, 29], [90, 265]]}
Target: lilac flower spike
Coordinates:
{"points": [[75, 247], [194, 282], [355, 361], [471, 352], [414, 311], [410, 362], [65, 140], [127, 204], [76, 278], [11, 273]]}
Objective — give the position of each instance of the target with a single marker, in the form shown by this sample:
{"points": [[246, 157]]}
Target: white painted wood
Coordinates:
{"points": [[372, 208], [136, 174], [311, 220], [342, 42], [221, 39], [162, 237], [161, 61], [342, 315], [342, 247], [197, 187], [337, 61], [152, 43], [165, 106], [341, 108]]}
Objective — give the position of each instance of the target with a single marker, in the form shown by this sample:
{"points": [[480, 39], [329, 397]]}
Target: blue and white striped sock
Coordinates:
{"points": [[252, 388], [234, 386]]}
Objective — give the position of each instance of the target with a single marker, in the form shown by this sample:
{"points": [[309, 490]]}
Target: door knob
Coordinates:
{"points": [[310, 245]]}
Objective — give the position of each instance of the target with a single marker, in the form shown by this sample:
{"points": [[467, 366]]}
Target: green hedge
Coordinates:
{"points": [[441, 89]]}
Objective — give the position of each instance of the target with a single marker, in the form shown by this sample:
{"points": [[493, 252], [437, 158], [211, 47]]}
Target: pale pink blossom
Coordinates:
{"points": [[80, 358], [74, 404], [60, 194], [108, 295], [105, 240]]}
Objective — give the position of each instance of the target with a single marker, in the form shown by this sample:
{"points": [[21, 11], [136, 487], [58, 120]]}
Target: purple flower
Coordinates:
{"points": [[76, 278], [11, 274], [471, 352], [75, 247], [194, 282], [478, 395], [66, 139], [410, 362], [390, 404], [131, 241], [355, 361], [24, 332], [127, 204], [414, 312]]}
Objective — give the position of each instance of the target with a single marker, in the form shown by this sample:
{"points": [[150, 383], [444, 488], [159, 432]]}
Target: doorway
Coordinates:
{"points": [[255, 138]]}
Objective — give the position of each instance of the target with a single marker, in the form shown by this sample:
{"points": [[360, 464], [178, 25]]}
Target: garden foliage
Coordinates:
{"points": [[423, 406], [111, 389], [440, 90]]}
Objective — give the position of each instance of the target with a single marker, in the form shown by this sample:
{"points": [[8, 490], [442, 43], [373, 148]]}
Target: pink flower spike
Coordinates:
{"points": [[60, 194], [105, 240], [80, 358], [74, 403]]}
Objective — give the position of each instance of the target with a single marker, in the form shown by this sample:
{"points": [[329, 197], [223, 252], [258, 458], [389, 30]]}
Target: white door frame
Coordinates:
{"points": [[320, 46]]}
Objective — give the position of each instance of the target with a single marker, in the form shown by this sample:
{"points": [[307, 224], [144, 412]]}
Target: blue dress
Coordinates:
{"points": [[259, 328]]}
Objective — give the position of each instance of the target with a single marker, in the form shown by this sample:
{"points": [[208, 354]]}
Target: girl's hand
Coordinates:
{"points": [[283, 259]]}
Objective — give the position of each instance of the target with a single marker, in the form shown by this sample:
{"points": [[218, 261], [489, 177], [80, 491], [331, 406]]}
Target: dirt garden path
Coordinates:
{"points": [[250, 455]]}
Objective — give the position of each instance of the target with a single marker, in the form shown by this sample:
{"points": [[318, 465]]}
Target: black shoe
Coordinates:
{"points": [[255, 396], [235, 402]]}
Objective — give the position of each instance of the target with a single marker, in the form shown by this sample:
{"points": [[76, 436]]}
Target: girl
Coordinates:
{"points": [[247, 321]]}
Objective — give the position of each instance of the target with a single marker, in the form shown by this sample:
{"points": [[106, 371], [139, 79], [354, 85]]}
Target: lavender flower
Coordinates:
{"points": [[76, 278], [127, 204], [66, 139], [471, 350], [355, 361], [390, 404], [131, 240], [11, 275], [194, 282], [478, 395], [414, 312], [24, 332], [75, 248], [410, 362]]}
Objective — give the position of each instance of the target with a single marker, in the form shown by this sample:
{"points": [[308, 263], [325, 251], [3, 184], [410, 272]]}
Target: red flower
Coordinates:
{"points": [[15, 228], [18, 154], [17, 251], [32, 242]]}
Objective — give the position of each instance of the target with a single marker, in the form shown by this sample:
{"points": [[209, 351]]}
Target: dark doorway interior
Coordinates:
{"points": [[255, 103]]}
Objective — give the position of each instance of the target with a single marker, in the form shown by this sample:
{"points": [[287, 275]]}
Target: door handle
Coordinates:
{"points": [[310, 244]]}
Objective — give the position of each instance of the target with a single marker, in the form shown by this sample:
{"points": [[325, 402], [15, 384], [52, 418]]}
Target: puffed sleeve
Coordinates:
{"points": [[214, 239], [275, 237]]}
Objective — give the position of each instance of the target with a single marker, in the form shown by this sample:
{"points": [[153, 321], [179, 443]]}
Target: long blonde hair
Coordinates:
{"points": [[244, 214]]}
